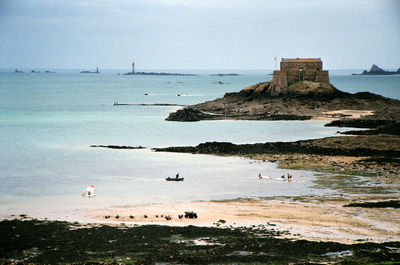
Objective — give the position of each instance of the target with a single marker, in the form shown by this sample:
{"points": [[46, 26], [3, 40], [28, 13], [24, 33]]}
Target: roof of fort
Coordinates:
{"points": [[301, 60]]}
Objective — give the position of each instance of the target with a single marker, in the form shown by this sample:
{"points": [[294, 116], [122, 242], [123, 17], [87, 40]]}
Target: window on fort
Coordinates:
{"points": [[301, 74]]}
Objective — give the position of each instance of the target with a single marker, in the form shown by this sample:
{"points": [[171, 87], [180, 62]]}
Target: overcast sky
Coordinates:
{"points": [[197, 34]]}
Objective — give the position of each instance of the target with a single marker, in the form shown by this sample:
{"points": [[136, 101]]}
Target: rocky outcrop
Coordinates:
{"points": [[376, 70], [358, 146], [188, 114], [300, 101]]}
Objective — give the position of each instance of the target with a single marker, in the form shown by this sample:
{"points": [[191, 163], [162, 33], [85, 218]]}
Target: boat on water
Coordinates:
{"points": [[90, 191], [174, 179]]}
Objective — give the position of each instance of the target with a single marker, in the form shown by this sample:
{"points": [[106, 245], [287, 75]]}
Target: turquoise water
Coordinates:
{"points": [[388, 86], [48, 122]]}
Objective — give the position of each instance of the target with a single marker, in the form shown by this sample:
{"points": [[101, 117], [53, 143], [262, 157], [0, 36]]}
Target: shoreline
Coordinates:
{"points": [[358, 169], [309, 219], [312, 218]]}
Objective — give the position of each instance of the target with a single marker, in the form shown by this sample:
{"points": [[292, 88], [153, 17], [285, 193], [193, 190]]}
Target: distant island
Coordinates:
{"points": [[34, 71], [90, 72], [224, 74], [154, 73], [133, 72], [376, 70]]}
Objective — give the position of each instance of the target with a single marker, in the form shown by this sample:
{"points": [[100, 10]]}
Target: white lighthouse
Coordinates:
{"points": [[133, 67]]}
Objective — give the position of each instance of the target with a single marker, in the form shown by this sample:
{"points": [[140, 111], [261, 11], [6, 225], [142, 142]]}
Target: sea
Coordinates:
{"points": [[48, 121]]}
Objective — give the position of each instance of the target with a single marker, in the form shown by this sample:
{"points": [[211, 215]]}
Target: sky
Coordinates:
{"points": [[197, 34]]}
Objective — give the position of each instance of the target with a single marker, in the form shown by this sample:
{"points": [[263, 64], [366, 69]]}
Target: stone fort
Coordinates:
{"points": [[299, 69]]}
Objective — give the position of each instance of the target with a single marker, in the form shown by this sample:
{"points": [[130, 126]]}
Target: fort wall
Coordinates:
{"points": [[299, 69]]}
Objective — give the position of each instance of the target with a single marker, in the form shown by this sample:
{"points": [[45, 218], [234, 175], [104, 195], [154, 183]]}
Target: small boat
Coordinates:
{"points": [[89, 191], [174, 179]]}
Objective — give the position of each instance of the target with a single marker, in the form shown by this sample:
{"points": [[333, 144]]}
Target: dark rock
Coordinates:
{"points": [[347, 146], [188, 114], [289, 117], [376, 70], [382, 204], [300, 101]]}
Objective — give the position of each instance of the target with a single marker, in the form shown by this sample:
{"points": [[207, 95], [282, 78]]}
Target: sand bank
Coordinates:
{"points": [[310, 219], [344, 113]]}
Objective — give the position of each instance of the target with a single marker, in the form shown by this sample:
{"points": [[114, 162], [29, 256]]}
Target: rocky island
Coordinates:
{"points": [[220, 74], [90, 72], [155, 73], [376, 70], [300, 101], [301, 91]]}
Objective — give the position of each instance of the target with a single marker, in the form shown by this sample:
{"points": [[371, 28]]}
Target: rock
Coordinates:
{"points": [[371, 145], [187, 114], [300, 101], [376, 70]]}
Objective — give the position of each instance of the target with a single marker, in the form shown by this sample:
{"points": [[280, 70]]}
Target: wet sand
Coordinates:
{"points": [[310, 219], [349, 114]]}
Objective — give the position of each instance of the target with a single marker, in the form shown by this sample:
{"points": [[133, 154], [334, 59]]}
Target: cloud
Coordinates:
{"points": [[167, 32]]}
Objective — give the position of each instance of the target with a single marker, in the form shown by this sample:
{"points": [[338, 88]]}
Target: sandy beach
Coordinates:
{"points": [[308, 218]]}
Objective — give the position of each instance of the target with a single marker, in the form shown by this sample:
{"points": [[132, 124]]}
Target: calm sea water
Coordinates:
{"points": [[48, 122]]}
